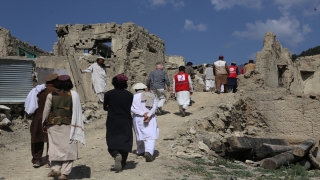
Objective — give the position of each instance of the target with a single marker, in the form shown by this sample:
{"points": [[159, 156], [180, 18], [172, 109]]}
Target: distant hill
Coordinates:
{"points": [[309, 52]]}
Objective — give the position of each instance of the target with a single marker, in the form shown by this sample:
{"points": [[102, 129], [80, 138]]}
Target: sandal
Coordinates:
{"points": [[53, 173], [63, 177]]}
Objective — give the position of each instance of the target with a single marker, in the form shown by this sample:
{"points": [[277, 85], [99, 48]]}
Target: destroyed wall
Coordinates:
{"points": [[274, 63], [274, 101], [128, 49], [306, 75], [9, 46]]}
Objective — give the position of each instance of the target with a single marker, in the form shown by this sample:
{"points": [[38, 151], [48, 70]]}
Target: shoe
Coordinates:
{"points": [[53, 173], [148, 157], [117, 163], [36, 164], [141, 154], [217, 92], [182, 112], [62, 177]]}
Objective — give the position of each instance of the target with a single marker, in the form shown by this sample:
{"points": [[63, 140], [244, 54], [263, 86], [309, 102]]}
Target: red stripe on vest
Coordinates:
{"points": [[181, 81], [233, 72]]}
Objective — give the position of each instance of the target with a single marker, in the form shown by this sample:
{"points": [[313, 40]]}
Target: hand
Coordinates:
{"points": [[168, 89], [191, 93], [145, 114], [44, 129], [148, 90], [147, 119]]}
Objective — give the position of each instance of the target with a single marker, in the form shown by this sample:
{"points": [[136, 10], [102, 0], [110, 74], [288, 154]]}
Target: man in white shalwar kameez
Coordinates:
{"points": [[182, 89], [98, 77], [143, 107]]}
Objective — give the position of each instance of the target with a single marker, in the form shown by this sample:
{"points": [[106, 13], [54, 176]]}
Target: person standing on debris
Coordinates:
{"points": [[221, 72], [119, 121], [189, 70], [38, 137], [209, 77], [182, 89], [233, 77], [63, 121], [156, 83], [145, 125], [98, 77], [242, 69], [250, 67]]}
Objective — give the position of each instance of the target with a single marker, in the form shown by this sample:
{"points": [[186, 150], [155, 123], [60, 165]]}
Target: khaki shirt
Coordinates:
{"points": [[249, 67]]}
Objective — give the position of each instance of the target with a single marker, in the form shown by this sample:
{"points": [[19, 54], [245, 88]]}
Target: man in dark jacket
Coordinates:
{"points": [[38, 137]]}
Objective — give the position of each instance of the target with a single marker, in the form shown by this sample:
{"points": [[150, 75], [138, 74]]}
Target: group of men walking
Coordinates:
{"points": [[58, 116], [219, 77]]}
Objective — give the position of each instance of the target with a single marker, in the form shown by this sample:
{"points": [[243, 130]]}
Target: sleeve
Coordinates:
{"points": [[166, 79], [135, 110], [190, 84], [173, 86], [205, 73], [89, 69], [149, 80], [227, 68], [154, 108], [105, 102], [214, 69], [47, 107]]}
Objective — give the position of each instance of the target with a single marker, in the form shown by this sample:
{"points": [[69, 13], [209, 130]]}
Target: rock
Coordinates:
{"points": [[207, 142], [203, 147], [188, 155], [192, 130], [251, 130]]}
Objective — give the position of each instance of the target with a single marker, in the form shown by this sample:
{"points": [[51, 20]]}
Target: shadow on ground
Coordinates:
{"points": [[80, 172]]}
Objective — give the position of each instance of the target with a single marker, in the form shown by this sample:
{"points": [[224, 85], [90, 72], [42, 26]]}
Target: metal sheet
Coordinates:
{"points": [[16, 80]]}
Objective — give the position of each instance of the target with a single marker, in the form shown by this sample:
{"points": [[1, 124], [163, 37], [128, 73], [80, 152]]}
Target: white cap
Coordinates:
{"points": [[100, 57], [139, 86]]}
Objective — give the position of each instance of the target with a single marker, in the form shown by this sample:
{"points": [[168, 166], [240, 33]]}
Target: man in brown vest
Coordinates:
{"points": [[38, 137], [250, 66]]}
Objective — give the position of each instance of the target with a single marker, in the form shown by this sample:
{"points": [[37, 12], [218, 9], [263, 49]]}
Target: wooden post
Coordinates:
{"points": [[303, 148], [269, 150], [237, 144]]}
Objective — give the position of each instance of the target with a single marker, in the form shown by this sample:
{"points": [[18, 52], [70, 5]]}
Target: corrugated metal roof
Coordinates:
{"points": [[16, 79]]}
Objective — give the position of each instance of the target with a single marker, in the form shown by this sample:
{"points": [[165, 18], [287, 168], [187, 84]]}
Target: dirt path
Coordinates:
{"points": [[94, 160]]}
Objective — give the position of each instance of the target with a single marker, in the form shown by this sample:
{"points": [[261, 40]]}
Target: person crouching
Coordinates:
{"points": [[144, 107]]}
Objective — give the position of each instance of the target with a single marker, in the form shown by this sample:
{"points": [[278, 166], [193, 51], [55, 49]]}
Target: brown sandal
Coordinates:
{"points": [[53, 173], [63, 177]]}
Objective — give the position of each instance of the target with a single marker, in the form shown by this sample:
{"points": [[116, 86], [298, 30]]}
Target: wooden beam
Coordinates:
{"points": [[269, 150], [247, 143], [303, 148]]}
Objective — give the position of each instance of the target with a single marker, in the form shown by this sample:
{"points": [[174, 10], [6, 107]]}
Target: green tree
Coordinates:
{"points": [[309, 52]]}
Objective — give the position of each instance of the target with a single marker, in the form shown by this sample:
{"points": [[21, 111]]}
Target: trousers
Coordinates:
{"points": [[146, 146], [63, 166], [37, 151]]}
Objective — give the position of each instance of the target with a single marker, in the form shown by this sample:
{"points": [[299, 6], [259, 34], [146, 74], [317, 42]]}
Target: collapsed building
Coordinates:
{"points": [[280, 99]]}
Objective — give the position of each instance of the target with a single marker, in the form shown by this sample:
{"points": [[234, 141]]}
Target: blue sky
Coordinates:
{"points": [[199, 30]]}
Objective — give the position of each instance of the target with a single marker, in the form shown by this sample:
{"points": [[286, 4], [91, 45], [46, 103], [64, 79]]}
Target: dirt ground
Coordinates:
{"points": [[94, 161]]}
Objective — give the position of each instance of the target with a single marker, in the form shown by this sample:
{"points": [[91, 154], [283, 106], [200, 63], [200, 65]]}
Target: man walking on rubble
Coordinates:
{"points": [[221, 72], [38, 137], [209, 77], [250, 66], [98, 70], [156, 83], [233, 77], [189, 70], [182, 89]]}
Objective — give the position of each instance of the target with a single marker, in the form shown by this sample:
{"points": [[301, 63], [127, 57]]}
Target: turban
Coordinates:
{"points": [[122, 77]]}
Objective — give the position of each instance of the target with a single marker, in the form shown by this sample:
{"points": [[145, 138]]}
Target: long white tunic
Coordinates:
{"points": [[98, 77], [144, 130]]}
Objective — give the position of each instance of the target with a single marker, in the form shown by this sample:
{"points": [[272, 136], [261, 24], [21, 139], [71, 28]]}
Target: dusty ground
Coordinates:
{"points": [[94, 160]]}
